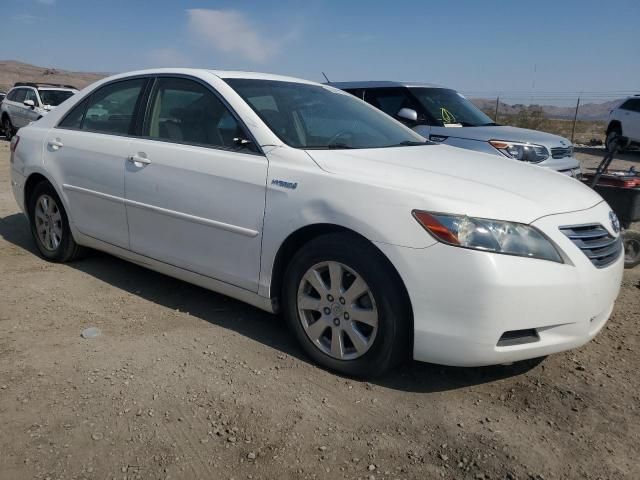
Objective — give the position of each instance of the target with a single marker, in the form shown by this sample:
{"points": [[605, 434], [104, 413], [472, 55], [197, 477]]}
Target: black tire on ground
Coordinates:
{"points": [[392, 342], [66, 249], [631, 241], [7, 128]]}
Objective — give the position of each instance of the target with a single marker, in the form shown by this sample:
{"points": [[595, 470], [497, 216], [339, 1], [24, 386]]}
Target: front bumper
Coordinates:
{"points": [[465, 300]]}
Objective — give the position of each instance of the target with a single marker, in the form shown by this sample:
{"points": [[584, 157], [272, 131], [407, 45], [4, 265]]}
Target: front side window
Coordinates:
{"points": [[185, 111], [31, 95], [389, 100], [448, 107], [319, 117], [111, 108], [54, 98]]}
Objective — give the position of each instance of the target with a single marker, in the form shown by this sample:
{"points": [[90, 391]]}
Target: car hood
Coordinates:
{"points": [[499, 132], [452, 180]]}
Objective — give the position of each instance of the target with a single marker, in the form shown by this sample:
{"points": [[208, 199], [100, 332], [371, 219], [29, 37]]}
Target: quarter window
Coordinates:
{"points": [[184, 111], [111, 108]]}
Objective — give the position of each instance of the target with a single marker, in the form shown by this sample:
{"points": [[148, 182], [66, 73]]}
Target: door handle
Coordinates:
{"points": [[55, 144], [138, 160]]}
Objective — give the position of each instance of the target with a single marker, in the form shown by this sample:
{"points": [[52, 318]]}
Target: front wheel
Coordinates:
{"points": [[8, 128], [631, 242], [345, 305]]}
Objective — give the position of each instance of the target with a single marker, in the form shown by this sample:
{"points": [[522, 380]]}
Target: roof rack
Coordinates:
{"points": [[42, 84]]}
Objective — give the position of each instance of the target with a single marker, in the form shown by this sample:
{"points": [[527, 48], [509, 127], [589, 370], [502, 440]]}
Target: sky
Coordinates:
{"points": [[471, 45]]}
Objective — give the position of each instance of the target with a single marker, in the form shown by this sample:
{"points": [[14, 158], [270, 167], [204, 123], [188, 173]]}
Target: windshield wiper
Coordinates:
{"points": [[411, 143], [339, 146], [490, 124]]}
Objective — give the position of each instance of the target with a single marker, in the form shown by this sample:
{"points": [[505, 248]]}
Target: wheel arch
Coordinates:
{"points": [[297, 239], [34, 179], [614, 125]]}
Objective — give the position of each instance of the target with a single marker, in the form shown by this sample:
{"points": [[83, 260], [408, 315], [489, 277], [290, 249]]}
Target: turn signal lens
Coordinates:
{"points": [[432, 225]]}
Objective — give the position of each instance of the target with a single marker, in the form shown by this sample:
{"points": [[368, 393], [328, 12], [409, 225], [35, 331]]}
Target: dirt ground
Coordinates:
{"points": [[185, 383]]}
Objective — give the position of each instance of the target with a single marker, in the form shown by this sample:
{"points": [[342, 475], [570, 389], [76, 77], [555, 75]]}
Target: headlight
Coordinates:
{"points": [[521, 151], [488, 235]]}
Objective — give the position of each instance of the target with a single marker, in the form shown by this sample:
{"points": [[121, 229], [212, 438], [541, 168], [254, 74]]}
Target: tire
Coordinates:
{"points": [[611, 136], [8, 128], [50, 225], [631, 242], [354, 334]]}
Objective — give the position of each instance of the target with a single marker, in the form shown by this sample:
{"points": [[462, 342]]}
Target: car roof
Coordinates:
{"points": [[381, 84], [223, 74]]}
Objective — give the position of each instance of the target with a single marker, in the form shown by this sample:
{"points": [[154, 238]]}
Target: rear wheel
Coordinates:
{"points": [[345, 305], [612, 141], [631, 242], [50, 225]]}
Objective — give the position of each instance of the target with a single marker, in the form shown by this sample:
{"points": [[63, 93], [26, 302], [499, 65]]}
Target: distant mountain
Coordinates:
{"points": [[12, 71], [587, 111]]}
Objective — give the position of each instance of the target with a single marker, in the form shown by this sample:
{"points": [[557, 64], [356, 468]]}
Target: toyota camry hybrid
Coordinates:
{"points": [[299, 198]]}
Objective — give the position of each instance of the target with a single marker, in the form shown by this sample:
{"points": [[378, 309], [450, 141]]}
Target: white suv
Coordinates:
{"points": [[625, 121], [27, 102]]}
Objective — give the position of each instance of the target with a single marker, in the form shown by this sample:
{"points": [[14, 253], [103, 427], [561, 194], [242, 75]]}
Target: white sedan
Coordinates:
{"points": [[297, 197]]}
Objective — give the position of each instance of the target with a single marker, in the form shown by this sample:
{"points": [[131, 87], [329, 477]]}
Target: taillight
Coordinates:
{"points": [[14, 143]]}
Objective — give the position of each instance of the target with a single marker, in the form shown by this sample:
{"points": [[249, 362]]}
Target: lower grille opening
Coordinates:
{"points": [[518, 337]]}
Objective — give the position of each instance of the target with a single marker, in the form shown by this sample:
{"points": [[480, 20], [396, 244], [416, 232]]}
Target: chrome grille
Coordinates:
{"points": [[561, 152], [595, 242]]}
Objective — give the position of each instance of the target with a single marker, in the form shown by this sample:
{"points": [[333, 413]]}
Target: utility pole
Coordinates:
{"points": [[575, 119], [495, 117]]}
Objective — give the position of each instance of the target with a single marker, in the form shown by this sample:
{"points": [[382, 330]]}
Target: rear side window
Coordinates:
{"points": [[19, 95], [184, 111], [111, 108]]}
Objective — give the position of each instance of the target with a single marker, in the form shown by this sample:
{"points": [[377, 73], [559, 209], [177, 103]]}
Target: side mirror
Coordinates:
{"points": [[408, 114], [29, 103]]}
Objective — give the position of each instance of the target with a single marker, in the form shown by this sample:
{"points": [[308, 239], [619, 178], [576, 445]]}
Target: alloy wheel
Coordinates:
{"points": [[337, 310], [48, 222]]}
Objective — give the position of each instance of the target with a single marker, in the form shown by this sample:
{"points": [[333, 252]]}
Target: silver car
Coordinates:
{"points": [[445, 116], [26, 102]]}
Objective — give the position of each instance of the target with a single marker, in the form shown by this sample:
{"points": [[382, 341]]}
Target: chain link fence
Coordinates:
{"points": [[581, 116]]}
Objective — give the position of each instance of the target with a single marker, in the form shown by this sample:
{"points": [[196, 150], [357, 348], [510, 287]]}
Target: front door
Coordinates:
{"points": [[194, 198]]}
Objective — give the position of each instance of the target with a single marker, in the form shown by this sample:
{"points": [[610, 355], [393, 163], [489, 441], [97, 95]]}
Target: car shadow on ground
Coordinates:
{"points": [[251, 322]]}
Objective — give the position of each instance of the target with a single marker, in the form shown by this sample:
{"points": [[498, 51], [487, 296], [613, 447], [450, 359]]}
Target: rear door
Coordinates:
{"points": [[87, 154], [195, 197], [16, 108]]}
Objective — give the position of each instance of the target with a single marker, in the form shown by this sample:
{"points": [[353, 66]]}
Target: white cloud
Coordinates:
{"points": [[168, 57], [25, 18], [229, 31]]}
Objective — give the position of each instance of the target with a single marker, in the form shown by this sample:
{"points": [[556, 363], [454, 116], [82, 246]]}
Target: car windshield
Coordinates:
{"points": [[54, 97], [448, 107], [318, 117]]}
